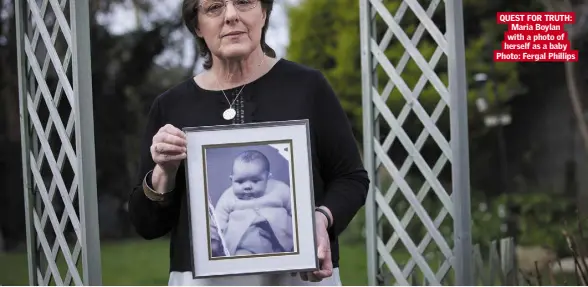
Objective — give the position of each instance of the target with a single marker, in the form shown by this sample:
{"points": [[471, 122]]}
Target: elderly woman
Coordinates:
{"points": [[244, 82]]}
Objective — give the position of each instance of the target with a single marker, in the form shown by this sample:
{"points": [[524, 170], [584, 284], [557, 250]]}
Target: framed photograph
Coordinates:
{"points": [[250, 193]]}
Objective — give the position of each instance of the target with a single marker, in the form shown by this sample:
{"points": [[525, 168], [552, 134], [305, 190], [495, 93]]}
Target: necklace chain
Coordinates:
{"points": [[238, 94]]}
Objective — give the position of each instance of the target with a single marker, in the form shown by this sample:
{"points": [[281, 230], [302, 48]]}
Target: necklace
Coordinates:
{"points": [[230, 113]]}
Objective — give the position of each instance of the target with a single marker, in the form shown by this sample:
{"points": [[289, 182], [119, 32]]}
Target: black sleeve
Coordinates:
{"points": [[151, 219], [342, 170]]}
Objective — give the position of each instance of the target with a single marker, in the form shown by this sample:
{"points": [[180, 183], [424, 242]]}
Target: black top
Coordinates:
{"points": [[289, 91]]}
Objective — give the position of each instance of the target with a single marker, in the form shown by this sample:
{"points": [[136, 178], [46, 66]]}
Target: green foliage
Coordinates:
{"points": [[541, 219], [325, 35], [503, 76]]}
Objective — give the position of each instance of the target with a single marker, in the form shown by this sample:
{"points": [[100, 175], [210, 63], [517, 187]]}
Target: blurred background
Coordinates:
{"points": [[527, 124]]}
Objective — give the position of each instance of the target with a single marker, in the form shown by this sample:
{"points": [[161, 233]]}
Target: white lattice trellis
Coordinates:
{"points": [[58, 159], [432, 256]]}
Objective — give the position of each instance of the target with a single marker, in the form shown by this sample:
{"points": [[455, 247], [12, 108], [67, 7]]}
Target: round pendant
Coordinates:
{"points": [[229, 114]]}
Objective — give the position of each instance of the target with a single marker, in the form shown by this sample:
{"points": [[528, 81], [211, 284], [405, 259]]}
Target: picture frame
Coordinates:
{"points": [[251, 199]]}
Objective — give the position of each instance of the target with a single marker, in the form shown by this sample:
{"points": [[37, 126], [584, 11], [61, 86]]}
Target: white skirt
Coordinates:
{"points": [[185, 279]]}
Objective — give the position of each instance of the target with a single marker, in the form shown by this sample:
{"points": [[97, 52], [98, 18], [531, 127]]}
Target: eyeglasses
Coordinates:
{"points": [[214, 8]]}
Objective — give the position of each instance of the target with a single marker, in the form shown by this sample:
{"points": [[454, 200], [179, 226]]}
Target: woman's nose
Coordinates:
{"points": [[231, 13]]}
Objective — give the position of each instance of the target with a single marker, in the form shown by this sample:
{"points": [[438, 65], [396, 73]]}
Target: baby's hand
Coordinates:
{"points": [[216, 248], [214, 236], [215, 242]]}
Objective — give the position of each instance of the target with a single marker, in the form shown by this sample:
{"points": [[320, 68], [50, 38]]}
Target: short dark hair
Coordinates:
{"points": [[190, 18], [254, 155]]}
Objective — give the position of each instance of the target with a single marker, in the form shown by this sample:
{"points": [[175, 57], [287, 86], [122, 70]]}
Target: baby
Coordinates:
{"points": [[253, 215]]}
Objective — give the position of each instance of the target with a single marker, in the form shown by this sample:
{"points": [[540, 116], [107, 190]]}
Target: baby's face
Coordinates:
{"points": [[249, 179]]}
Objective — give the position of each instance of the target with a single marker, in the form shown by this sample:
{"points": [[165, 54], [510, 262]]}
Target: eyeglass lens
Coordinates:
{"points": [[216, 7]]}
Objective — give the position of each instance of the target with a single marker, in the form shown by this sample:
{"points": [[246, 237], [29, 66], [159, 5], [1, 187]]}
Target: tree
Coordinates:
{"points": [[325, 35]]}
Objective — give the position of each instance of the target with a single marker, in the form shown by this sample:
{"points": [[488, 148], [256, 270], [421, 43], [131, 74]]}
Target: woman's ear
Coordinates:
{"points": [[198, 32]]}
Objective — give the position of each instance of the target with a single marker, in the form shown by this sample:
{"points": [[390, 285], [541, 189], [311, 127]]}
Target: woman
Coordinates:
{"points": [[244, 82]]}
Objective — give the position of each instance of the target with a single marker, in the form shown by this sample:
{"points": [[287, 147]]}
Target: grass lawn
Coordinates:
{"points": [[140, 262]]}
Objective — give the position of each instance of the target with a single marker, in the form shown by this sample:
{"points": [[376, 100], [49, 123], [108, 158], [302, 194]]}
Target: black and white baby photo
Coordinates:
{"points": [[250, 200]]}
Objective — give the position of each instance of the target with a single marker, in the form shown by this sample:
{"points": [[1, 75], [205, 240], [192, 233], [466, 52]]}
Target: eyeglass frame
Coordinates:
{"points": [[256, 2]]}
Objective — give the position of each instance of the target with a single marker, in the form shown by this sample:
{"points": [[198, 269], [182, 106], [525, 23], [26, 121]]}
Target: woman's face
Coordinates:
{"points": [[232, 28]]}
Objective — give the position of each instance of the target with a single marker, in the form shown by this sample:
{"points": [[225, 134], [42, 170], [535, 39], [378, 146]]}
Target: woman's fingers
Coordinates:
{"points": [[169, 149], [168, 138], [171, 135], [170, 129], [162, 158], [309, 277], [169, 145], [314, 278], [326, 269]]}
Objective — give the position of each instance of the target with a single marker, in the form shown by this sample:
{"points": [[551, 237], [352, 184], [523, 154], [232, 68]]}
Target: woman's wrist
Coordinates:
{"points": [[162, 181], [326, 215], [157, 185]]}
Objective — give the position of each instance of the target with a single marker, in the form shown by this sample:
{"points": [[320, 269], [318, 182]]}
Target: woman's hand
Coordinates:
{"points": [[323, 252], [168, 149]]}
